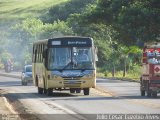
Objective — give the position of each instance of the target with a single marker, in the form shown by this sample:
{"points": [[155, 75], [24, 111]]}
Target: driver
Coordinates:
{"points": [[82, 56]]}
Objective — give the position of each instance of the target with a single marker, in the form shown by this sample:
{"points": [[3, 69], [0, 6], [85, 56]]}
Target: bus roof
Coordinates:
{"points": [[46, 41]]}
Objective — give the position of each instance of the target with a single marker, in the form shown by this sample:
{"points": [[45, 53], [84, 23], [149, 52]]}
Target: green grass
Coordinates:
{"points": [[133, 74], [21, 9], [119, 75]]}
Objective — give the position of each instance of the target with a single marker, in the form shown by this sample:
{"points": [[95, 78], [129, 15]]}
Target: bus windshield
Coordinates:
{"points": [[61, 58]]}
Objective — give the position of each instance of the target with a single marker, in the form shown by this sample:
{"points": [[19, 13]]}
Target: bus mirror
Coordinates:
{"points": [[45, 53], [96, 51], [96, 57]]}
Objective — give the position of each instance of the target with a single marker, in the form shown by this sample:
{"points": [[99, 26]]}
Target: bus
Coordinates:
{"points": [[64, 63]]}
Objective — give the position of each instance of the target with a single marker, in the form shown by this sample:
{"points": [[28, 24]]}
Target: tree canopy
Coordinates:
{"points": [[134, 20]]}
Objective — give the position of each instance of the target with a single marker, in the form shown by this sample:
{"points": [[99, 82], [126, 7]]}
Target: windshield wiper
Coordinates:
{"points": [[70, 63]]}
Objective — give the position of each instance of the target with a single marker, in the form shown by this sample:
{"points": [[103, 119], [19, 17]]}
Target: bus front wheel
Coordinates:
{"points": [[72, 90], [40, 90], [154, 94], [49, 91], [142, 92], [86, 91]]}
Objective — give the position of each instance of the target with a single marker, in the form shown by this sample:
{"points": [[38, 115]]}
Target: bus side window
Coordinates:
{"points": [[35, 59]]}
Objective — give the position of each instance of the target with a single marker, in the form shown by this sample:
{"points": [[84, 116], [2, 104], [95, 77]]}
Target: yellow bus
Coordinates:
{"points": [[64, 63]]}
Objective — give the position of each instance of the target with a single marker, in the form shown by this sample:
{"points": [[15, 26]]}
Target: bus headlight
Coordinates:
{"points": [[54, 76], [89, 74]]}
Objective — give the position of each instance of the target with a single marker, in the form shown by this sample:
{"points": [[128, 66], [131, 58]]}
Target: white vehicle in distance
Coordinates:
{"points": [[26, 76]]}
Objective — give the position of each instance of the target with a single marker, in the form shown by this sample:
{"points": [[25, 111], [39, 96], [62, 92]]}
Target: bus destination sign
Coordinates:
{"points": [[71, 42], [77, 42]]}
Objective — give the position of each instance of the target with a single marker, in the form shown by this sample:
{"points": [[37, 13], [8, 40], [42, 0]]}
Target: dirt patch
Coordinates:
{"points": [[18, 107], [3, 107]]}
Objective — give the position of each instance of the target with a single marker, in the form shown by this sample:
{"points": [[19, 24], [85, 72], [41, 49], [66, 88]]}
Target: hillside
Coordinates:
{"points": [[12, 11]]}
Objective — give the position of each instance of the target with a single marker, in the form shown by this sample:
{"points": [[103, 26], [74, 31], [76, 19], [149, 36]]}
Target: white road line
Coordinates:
{"points": [[66, 110]]}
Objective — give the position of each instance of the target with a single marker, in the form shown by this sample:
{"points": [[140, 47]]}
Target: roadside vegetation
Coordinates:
{"points": [[118, 27]]}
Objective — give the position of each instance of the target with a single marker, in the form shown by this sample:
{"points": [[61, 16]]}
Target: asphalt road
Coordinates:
{"points": [[114, 97]]}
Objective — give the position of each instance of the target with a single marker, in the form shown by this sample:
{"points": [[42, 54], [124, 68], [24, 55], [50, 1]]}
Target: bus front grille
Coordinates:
{"points": [[71, 78], [72, 86], [72, 82]]}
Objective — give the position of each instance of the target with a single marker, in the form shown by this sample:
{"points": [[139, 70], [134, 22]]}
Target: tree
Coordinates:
{"points": [[134, 20], [63, 11], [125, 55], [29, 28], [5, 56], [22, 35], [58, 28]]}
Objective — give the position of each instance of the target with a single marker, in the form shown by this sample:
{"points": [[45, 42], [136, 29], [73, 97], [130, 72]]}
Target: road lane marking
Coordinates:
{"points": [[66, 110]]}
